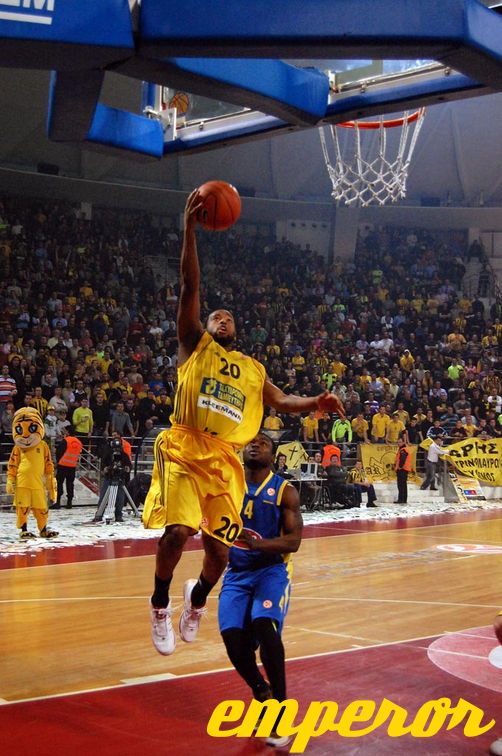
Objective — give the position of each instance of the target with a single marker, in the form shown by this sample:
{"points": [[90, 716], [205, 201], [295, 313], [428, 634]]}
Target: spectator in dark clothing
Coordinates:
{"points": [[340, 491], [121, 422]]}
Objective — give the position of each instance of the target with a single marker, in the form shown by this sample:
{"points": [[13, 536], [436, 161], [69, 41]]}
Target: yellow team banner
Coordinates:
{"points": [[379, 461], [478, 459]]}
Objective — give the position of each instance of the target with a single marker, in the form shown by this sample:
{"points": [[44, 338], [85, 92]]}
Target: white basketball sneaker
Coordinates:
{"points": [[496, 747], [276, 741], [190, 617], [163, 636]]}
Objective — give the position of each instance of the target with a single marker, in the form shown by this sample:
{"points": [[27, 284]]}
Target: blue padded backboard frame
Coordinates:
{"points": [[258, 126], [461, 33], [183, 42]]}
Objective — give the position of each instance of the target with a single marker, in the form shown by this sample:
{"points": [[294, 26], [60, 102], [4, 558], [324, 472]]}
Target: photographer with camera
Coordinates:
{"points": [[116, 466]]}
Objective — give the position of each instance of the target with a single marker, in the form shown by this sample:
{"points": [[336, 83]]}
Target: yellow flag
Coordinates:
{"points": [[295, 453], [379, 462]]}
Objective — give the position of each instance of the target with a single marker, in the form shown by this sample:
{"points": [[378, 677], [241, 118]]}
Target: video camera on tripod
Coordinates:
{"points": [[113, 491], [117, 472]]}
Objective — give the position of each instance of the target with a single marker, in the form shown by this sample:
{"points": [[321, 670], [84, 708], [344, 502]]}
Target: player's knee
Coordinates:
{"points": [[216, 551], [266, 632], [175, 536], [232, 637]]}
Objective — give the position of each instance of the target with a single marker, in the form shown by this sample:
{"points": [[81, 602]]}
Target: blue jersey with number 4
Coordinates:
{"points": [[261, 514]]}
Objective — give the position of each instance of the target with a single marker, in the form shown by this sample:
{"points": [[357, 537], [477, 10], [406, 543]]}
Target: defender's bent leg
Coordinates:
{"points": [[240, 649], [272, 655]]}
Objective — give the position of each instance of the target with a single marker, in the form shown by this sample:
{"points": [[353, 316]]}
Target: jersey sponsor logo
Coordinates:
{"points": [[270, 491], [223, 392], [43, 11], [206, 402], [267, 604]]}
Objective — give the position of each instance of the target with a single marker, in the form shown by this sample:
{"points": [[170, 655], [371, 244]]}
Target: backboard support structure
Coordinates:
{"points": [[245, 54]]}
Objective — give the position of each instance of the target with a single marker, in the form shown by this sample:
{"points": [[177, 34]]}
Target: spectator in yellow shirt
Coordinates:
{"points": [[298, 361], [490, 340], [407, 361], [39, 402], [456, 340], [360, 428], [338, 367], [311, 428], [379, 426], [273, 424], [394, 430], [465, 305]]}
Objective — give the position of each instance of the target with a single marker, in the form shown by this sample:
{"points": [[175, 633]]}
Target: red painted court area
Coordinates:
{"points": [[170, 717]]}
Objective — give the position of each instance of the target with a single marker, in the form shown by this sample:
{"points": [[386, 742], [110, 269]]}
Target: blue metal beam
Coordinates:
{"points": [[72, 35], [461, 33]]}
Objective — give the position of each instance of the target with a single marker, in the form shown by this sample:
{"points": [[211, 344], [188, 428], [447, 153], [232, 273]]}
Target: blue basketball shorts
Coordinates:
{"points": [[250, 594]]}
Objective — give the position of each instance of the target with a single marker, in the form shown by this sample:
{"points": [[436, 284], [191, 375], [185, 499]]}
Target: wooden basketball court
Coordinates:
{"points": [[397, 609]]}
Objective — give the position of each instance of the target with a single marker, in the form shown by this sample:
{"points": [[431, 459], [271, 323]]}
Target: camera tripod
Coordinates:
{"points": [[106, 505]]}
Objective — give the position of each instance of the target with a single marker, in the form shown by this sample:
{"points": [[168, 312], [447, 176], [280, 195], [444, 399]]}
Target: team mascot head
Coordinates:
{"points": [[27, 428]]}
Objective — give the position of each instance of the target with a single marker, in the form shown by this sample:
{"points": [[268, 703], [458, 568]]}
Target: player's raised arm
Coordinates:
{"points": [[188, 322], [326, 402]]}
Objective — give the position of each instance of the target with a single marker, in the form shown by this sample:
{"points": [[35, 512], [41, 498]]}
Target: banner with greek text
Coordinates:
{"points": [[478, 459], [379, 460]]}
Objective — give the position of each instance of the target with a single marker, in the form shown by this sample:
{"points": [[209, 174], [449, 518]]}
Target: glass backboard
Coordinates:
{"points": [[346, 75]]}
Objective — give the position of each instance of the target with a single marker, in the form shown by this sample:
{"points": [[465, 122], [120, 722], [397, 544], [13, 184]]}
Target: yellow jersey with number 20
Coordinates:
{"points": [[220, 392]]}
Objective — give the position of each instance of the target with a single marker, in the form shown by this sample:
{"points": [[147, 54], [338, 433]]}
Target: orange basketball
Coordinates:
{"points": [[181, 102], [222, 205]]}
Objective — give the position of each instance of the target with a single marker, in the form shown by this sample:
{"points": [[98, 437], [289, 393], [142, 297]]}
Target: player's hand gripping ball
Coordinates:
{"points": [[246, 538], [221, 205]]}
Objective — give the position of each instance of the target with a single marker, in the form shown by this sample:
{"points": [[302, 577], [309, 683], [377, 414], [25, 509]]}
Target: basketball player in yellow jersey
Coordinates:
{"points": [[198, 480]]}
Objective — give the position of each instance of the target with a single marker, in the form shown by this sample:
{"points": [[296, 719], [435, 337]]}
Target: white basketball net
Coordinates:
{"points": [[375, 177]]}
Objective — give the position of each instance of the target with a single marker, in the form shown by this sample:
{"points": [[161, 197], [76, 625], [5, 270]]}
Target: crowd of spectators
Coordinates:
{"points": [[406, 351], [88, 331], [86, 328]]}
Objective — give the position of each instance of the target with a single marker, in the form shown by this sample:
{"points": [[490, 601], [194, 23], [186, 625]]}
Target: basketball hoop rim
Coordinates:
{"points": [[392, 123]]}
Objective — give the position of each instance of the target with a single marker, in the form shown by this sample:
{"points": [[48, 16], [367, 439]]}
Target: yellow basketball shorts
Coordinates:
{"points": [[197, 481], [30, 498]]}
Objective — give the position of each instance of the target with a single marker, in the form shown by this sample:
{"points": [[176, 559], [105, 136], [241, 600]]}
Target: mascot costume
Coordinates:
{"points": [[30, 472]]}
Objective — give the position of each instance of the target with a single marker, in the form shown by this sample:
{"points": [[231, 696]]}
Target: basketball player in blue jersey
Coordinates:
{"points": [[254, 598]]}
